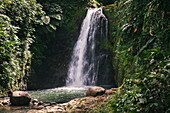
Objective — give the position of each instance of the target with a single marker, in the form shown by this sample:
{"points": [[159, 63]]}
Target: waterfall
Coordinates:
{"points": [[83, 68]]}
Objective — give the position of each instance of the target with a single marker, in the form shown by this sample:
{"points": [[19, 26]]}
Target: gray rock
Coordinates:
{"points": [[95, 91], [20, 98]]}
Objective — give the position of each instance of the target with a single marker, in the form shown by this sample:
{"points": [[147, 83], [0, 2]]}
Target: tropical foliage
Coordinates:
{"points": [[17, 20], [141, 56], [139, 43], [60, 14], [106, 2], [45, 33]]}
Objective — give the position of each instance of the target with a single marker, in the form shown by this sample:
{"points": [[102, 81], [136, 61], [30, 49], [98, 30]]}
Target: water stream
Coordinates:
{"points": [[83, 68]]}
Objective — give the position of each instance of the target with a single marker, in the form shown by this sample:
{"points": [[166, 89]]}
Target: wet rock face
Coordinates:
{"points": [[20, 98], [95, 91], [52, 72]]}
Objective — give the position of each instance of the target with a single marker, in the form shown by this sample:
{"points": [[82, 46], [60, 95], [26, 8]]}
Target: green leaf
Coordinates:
{"points": [[146, 45], [45, 19], [56, 16], [49, 29], [53, 26]]}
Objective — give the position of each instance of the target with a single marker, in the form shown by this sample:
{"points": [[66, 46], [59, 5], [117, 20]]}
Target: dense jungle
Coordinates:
{"points": [[37, 39]]}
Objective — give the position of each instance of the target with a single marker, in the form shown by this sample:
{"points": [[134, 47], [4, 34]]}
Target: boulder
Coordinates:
{"points": [[95, 91], [19, 98]]}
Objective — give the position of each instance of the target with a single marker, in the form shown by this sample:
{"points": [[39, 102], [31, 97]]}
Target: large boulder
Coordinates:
{"points": [[19, 98], [95, 91]]}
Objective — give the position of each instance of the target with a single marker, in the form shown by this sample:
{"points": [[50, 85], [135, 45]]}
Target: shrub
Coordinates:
{"points": [[18, 19]]}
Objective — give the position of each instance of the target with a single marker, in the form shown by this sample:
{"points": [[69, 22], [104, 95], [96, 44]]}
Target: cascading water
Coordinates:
{"points": [[83, 68]]}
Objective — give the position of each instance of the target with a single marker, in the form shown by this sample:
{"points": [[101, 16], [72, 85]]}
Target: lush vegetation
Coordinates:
{"points": [[141, 56], [27, 28], [59, 14], [44, 34], [139, 42], [106, 2], [18, 20]]}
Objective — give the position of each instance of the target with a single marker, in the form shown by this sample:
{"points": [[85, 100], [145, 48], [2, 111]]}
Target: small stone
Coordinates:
{"points": [[40, 103], [5, 103], [35, 103], [35, 100], [53, 103]]}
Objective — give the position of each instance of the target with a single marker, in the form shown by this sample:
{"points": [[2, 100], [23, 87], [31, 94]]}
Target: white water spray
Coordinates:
{"points": [[82, 69]]}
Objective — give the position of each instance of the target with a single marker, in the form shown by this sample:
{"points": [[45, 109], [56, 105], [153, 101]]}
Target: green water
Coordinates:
{"points": [[58, 95]]}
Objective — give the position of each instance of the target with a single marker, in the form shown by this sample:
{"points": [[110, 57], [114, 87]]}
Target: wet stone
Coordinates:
{"points": [[35, 103], [35, 100], [4, 101], [53, 103], [46, 104], [40, 103]]}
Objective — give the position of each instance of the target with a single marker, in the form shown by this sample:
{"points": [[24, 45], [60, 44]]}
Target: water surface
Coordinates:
{"points": [[58, 95]]}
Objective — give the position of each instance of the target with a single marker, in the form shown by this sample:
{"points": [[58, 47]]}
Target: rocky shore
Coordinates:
{"points": [[94, 98]]}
